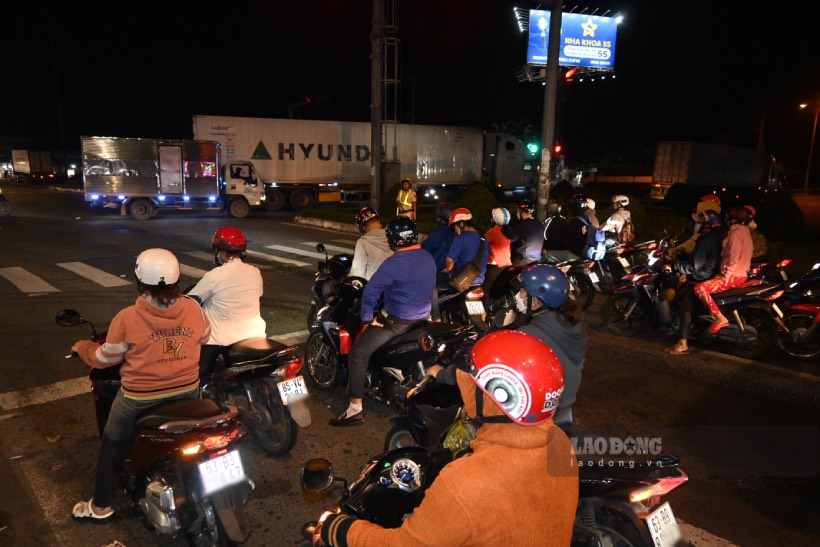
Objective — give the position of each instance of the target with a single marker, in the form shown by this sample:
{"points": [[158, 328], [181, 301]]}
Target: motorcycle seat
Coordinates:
{"points": [[742, 289], [187, 411], [413, 333], [256, 349]]}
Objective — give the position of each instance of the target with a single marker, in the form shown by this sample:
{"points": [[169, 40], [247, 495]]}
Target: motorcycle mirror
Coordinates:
{"points": [[69, 318], [317, 474]]}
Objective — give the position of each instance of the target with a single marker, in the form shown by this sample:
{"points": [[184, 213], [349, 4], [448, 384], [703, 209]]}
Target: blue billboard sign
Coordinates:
{"points": [[586, 40]]}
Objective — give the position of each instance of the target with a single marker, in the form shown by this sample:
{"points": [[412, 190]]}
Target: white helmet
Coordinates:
{"points": [[501, 216], [590, 203], [157, 267], [617, 200]]}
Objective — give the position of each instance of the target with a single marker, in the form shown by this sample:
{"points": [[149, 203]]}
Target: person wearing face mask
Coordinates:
{"points": [[556, 320], [759, 247], [229, 296]]}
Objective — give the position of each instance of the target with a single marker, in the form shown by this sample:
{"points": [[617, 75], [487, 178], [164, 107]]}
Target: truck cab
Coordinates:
{"points": [[239, 181]]}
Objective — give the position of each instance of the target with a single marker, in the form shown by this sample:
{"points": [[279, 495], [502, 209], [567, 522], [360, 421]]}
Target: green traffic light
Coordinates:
{"points": [[533, 148]]}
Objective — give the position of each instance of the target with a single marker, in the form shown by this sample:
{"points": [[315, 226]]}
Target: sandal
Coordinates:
{"points": [[675, 350], [716, 326], [82, 513]]}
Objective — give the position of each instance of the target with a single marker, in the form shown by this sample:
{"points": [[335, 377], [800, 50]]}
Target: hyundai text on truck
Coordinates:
{"points": [[141, 176], [304, 161], [718, 168], [32, 165]]}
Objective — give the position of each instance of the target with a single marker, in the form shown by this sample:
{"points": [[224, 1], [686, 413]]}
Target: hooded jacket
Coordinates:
{"points": [[371, 250]]}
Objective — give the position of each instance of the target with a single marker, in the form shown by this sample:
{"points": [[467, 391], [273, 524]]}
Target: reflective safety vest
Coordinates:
{"points": [[404, 199]]}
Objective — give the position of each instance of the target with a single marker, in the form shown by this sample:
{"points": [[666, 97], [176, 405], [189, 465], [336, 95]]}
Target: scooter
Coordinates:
{"points": [[395, 368], [329, 272], [618, 504], [5, 205], [184, 472]]}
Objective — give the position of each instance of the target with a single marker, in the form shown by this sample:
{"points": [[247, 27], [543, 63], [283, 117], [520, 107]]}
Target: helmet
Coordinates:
{"points": [[401, 232], [526, 206], [710, 197], [738, 215], [457, 215], [578, 204], [519, 373], [501, 216], [590, 203], [620, 200], [229, 239], [546, 283], [751, 210], [443, 211], [553, 207], [365, 215], [710, 218], [157, 267], [407, 180]]}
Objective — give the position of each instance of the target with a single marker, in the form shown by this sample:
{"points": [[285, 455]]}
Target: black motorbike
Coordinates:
{"points": [[184, 473], [620, 499], [798, 316], [329, 272], [395, 368]]}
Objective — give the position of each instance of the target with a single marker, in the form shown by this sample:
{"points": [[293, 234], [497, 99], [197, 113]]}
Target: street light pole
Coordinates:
{"points": [[811, 149]]}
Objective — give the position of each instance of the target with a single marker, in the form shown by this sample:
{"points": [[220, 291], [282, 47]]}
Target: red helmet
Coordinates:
{"points": [[710, 197], [365, 215], [460, 214], [751, 210], [229, 239], [520, 373]]}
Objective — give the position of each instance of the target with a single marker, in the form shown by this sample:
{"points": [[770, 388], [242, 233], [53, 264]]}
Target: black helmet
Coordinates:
{"points": [[526, 206], [738, 215], [401, 232], [553, 207], [443, 211], [365, 215], [578, 204]]}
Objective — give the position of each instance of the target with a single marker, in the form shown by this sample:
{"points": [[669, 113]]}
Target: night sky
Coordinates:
{"points": [[704, 71]]}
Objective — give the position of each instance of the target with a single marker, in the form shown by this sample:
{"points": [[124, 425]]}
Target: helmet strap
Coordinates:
{"points": [[480, 419]]}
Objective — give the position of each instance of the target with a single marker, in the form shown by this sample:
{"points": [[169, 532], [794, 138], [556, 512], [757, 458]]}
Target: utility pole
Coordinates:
{"points": [[550, 108], [376, 99]]}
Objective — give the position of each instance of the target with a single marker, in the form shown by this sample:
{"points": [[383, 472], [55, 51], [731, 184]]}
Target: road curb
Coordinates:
{"points": [[327, 224]]}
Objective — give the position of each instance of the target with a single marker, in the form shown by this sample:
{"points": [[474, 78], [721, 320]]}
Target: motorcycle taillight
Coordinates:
{"points": [[293, 368], [660, 488], [211, 442], [475, 294]]}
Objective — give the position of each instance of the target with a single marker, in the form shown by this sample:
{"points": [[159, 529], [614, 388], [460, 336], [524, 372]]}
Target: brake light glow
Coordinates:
{"points": [[652, 245], [660, 488], [293, 368], [783, 263], [210, 442], [475, 294], [772, 296]]}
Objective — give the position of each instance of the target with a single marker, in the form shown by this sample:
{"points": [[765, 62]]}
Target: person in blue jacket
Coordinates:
{"points": [[437, 242], [406, 280]]}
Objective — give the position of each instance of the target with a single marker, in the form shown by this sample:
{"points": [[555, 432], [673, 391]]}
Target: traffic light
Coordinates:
{"points": [[533, 148], [557, 148], [569, 74]]}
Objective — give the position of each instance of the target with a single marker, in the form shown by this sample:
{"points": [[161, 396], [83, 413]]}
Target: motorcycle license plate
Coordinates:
{"points": [[593, 277], [293, 389], [663, 527], [220, 472], [475, 308], [624, 262]]}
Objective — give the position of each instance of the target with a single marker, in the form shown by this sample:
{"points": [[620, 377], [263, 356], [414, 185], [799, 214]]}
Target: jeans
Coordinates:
{"points": [[366, 345]]}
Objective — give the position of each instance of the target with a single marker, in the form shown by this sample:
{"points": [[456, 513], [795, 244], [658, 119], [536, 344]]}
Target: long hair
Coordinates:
{"points": [[571, 312], [164, 294]]}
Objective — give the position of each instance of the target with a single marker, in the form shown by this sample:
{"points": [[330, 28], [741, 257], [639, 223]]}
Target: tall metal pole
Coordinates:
{"points": [[811, 150], [376, 39], [550, 107]]}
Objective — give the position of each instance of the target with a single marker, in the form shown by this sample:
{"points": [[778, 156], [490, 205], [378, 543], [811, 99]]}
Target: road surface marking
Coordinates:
{"points": [[274, 258], [27, 282], [209, 257], [96, 275], [751, 362], [332, 247], [294, 250], [191, 271]]}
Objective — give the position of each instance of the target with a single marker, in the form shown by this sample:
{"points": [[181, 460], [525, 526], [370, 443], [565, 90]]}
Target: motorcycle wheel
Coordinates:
{"points": [[322, 362], [270, 423], [398, 437], [797, 344], [212, 532], [614, 313], [617, 530], [766, 334], [312, 321], [582, 289]]}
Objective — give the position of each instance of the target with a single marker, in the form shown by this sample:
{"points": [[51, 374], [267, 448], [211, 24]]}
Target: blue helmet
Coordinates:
{"points": [[546, 283]]}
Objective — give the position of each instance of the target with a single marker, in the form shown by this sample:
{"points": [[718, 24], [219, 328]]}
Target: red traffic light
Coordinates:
{"points": [[570, 73], [557, 148]]}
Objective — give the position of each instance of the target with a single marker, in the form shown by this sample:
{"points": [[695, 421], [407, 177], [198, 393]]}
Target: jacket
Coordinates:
{"points": [[371, 250], [230, 297], [464, 249], [736, 258], [158, 348], [527, 237], [437, 243], [704, 261], [499, 247], [407, 279]]}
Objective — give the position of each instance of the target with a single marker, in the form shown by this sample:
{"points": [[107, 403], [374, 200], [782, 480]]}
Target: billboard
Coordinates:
{"points": [[586, 40]]}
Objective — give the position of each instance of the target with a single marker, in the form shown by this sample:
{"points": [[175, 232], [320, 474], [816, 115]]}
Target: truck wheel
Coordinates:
{"points": [[142, 209], [301, 198], [239, 208], [274, 200]]}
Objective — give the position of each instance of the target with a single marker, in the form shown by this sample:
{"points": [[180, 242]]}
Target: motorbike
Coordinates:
{"points": [[634, 306], [798, 318], [329, 272], [184, 473], [5, 205], [395, 368], [617, 505], [463, 308]]}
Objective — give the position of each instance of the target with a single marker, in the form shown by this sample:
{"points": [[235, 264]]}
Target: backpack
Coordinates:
{"points": [[595, 246], [627, 234]]}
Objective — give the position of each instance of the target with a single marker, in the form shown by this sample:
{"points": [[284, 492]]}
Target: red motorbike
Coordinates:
{"points": [[184, 471]]}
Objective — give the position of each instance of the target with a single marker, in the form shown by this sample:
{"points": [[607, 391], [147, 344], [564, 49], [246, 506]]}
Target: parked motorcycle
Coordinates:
{"points": [[395, 368], [799, 317], [5, 205], [329, 272], [463, 308], [184, 471]]}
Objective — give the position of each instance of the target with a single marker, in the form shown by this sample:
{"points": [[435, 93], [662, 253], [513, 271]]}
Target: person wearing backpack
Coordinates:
{"points": [[620, 221], [582, 238]]}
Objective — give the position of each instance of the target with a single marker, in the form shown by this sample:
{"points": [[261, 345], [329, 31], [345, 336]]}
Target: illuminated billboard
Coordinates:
{"points": [[586, 40]]}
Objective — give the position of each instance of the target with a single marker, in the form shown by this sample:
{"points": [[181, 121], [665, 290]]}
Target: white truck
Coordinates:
{"points": [[304, 161], [142, 176], [32, 165]]}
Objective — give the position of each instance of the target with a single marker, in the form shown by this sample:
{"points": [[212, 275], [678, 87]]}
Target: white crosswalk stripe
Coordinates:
{"points": [[332, 247], [191, 271], [97, 276], [27, 282], [209, 257], [296, 251], [274, 258]]}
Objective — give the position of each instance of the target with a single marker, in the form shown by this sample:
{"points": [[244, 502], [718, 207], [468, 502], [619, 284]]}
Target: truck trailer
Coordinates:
{"points": [[718, 168], [32, 165], [304, 161], [141, 176]]}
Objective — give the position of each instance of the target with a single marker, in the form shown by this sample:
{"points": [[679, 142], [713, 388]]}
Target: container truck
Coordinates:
{"points": [[141, 176], [304, 161], [32, 165], [707, 168]]}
